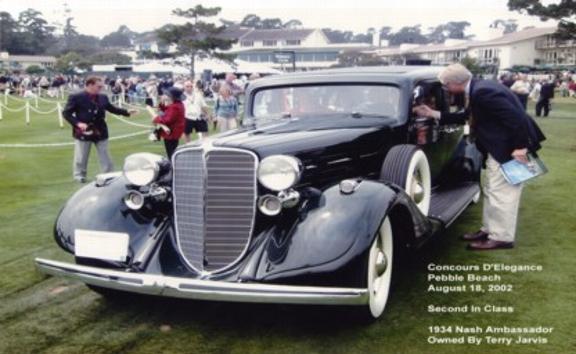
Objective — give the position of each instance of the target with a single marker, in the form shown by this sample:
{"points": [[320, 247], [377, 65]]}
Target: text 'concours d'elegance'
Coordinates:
{"points": [[398, 181]]}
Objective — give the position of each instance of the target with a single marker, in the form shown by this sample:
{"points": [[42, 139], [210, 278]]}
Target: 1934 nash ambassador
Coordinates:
{"points": [[311, 201]]}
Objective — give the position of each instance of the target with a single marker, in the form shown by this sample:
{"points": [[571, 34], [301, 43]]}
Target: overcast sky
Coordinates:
{"points": [[98, 17]]}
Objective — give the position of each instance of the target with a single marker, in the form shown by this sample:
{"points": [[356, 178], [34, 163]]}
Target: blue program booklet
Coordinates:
{"points": [[516, 172]]}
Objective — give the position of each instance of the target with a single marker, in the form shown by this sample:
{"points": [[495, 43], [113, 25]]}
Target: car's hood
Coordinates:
{"points": [[298, 136]]}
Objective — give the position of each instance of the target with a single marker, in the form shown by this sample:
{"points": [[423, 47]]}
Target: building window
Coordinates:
{"points": [[293, 42], [247, 43], [269, 43]]}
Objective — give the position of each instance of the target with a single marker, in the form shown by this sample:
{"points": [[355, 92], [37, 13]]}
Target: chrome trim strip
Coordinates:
{"points": [[204, 289], [206, 147]]}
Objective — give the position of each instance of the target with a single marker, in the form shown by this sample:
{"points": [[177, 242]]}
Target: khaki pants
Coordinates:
{"points": [[225, 124], [82, 152], [501, 203]]}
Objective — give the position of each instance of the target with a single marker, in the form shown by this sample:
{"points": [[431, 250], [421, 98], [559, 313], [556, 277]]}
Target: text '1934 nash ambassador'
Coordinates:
{"points": [[311, 201]]}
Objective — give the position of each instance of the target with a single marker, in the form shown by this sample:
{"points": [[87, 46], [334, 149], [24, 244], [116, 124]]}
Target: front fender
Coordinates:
{"points": [[102, 208], [329, 241]]}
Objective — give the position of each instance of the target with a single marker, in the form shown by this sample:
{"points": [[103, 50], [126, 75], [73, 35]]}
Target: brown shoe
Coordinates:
{"points": [[475, 236], [486, 245]]}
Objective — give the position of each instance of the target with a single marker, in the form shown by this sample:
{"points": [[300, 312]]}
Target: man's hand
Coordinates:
{"points": [[82, 126], [133, 111], [425, 111], [520, 155]]}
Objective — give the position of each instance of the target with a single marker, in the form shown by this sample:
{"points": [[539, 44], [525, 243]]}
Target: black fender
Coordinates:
{"points": [[330, 239], [102, 208]]}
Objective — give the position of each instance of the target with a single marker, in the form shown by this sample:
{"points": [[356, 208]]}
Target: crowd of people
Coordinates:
{"points": [[27, 85], [178, 108], [540, 89]]}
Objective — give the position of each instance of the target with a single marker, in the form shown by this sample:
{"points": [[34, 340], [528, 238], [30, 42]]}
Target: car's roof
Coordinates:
{"points": [[389, 74]]}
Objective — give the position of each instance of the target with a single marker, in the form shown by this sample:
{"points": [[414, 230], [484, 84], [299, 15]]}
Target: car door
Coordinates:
{"points": [[439, 142]]}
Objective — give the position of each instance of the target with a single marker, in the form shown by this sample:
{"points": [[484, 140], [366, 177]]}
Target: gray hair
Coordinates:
{"points": [[456, 73]]}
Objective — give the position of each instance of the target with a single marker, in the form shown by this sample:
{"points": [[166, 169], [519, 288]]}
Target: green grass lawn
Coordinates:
{"points": [[51, 315]]}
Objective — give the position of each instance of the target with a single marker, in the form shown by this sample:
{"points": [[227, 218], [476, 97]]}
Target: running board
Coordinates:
{"points": [[446, 205]]}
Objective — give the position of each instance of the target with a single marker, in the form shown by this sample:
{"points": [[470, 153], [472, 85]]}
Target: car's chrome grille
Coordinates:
{"points": [[214, 205]]}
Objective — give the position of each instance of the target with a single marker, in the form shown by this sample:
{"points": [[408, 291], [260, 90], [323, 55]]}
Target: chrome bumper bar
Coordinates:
{"points": [[204, 289]]}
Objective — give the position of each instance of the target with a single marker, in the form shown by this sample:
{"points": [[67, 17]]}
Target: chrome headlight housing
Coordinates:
{"points": [[279, 172], [143, 168]]}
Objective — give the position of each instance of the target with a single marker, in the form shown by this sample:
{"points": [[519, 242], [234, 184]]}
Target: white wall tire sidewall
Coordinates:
{"points": [[378, 292], [420, 162]]}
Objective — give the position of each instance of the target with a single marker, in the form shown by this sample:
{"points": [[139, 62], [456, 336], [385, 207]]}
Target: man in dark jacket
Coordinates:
{"points": [[502, 131], [86, 112]]}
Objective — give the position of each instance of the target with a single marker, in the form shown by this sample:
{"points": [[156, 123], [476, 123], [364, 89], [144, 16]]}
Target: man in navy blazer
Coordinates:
{"points": [[502, 131], [86, 113]]}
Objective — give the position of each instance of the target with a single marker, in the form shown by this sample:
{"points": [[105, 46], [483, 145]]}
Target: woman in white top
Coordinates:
{"points": [[196, 110], [521, 88]]}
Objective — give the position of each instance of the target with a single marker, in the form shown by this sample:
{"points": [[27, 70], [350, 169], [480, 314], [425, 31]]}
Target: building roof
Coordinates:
{"points": [[277, 34], [514, 37], [30, 58], [525, 34]]}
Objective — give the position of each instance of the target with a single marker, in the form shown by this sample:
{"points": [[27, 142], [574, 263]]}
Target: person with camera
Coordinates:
{"points": [[86, 113], [172, 119]]}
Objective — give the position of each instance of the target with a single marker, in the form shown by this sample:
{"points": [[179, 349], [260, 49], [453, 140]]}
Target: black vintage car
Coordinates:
{"points": [[311, 201]]}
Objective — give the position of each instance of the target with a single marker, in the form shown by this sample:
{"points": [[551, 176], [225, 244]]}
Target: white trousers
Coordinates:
{"points": [[82, 152], [225, 124], [501, 203]]}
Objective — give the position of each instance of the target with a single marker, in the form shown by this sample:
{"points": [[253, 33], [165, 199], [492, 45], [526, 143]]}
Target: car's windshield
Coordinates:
{"points": [[361, 100]]}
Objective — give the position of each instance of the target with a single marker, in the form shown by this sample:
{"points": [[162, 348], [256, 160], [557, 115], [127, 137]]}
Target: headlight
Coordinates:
{"points": [[279, 172], [143, 168]]}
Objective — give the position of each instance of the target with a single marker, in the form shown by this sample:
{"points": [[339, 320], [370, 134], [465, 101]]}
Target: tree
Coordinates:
{"points": [[69, 62], [562, 10], [196, 37], [118, 39], [110, 58], [385, 32], [450, 30], [471, 64], [510, 25], [337, 36], [251, 21], [8, 32], [356, 58], [35, 70], [36, 35], [408, 34], [292, 24]]}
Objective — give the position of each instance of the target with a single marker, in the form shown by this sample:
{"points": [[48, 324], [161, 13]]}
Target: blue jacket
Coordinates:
{"points": [[501, 125]]}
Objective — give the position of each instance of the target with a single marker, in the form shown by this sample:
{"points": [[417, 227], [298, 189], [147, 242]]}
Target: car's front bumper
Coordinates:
{"points": [[204, 289]]}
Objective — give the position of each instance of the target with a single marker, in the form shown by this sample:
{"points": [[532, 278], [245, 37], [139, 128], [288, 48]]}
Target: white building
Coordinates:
{"points": [[310, 48], [533, 46], [21, 62]]}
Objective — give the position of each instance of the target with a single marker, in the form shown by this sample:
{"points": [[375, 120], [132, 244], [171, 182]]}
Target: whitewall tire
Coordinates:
{"points": [[380, 260], [407, 167]]}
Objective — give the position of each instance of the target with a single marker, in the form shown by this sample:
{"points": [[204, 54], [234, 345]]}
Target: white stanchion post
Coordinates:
{"points": [[60, 118], [27, 113], [36, 98]]}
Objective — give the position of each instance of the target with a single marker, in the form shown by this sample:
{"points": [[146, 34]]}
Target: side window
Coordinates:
{"points": [[431, 94]]}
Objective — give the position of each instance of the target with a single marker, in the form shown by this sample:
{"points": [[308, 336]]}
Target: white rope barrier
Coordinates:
{"points": [[55, 109], [131, 123], [13, 109], [119, 137]]}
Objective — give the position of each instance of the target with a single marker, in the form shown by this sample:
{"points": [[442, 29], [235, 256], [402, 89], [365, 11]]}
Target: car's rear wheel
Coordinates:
{"points": [[407, 167]]}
